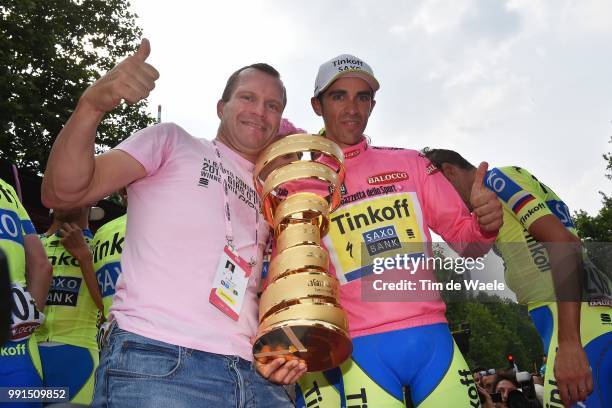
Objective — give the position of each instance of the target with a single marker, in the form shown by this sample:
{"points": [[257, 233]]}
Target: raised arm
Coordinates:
{"points": [[74, 176]]}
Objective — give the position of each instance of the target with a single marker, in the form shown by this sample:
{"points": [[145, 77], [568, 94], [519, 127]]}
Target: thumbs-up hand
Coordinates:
{"points": [[485, 203], [131, 80]]}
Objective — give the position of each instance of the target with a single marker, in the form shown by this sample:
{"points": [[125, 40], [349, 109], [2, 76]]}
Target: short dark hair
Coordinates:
{"points": [[260, 66], [440, 156]]}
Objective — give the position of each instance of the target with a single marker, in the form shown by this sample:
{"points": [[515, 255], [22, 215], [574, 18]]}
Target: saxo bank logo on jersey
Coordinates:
{"points": [[107, 277], [381, 240], [64, 291], [10, 226]]}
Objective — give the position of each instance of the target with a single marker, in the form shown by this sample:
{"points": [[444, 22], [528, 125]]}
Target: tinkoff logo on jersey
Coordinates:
{"points": [[11, 351], [63, 259], [372, 215], [381, 240], [112, 247], [359, 231], [64, 291]]}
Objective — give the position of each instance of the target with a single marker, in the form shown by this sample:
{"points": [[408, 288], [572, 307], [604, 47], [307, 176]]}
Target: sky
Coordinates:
{"points": [[517, 82]]}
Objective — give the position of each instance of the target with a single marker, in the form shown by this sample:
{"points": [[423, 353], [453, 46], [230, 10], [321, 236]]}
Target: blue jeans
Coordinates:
{"points": [[136, 371]]}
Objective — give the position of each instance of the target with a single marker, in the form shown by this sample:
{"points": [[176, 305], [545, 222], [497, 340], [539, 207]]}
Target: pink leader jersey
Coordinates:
{"points": [[176, 232], [390, 199]]}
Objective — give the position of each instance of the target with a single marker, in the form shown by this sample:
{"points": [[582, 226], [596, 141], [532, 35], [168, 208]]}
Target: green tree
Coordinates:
{"points": [[498, 327], [50, 51], [596, 231], [597, 228]]}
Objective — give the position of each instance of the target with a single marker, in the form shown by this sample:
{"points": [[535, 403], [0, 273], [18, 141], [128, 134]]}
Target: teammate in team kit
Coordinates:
{"points": [[107, 246], [67, 340], [30, 277], [541, 251], [391, 198]]}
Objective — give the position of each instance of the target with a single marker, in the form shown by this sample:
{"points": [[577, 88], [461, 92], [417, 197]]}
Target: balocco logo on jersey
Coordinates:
{"points": [[23, 330], [352, 153], [388, 178]]}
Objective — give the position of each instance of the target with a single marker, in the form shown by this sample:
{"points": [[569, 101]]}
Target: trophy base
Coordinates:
{"points": [[320, 344]]}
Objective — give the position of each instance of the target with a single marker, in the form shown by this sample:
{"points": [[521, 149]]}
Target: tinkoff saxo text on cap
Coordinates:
{"points": [[342, 66]]}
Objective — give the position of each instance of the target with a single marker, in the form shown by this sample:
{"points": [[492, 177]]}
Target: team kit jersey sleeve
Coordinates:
{"points": [[528, 271], [14, 225], [526, 197], [176, 218]]}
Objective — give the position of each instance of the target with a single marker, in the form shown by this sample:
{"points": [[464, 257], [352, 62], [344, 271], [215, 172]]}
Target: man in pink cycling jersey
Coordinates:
{"points": [[390, 199]]}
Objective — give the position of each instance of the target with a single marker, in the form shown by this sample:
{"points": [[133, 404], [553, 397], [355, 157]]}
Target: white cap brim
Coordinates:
{"points": [[354, 73]]}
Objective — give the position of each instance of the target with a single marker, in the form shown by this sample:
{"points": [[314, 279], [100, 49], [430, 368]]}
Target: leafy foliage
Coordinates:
{"points": [[498, 327], [50, 51]]}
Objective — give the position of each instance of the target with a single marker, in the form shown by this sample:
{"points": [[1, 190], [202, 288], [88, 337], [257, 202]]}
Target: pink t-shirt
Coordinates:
{"points": [[176, 232]]}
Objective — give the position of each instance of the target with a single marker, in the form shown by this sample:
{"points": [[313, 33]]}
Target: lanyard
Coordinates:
{"points": [[229, 235]]}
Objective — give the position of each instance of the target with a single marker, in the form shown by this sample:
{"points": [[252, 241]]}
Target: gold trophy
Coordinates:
{"points": [[298, 179]]}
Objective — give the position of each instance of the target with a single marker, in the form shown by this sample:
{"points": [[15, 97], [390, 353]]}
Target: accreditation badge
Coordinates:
{"points": [[230, 283]]}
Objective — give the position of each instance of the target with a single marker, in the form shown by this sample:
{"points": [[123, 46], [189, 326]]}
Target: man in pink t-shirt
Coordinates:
{"points": [[185, 305]]}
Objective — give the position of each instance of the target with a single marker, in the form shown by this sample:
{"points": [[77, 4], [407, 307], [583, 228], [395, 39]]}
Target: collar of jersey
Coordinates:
{"points": [[86, 232], [355, 152]]}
